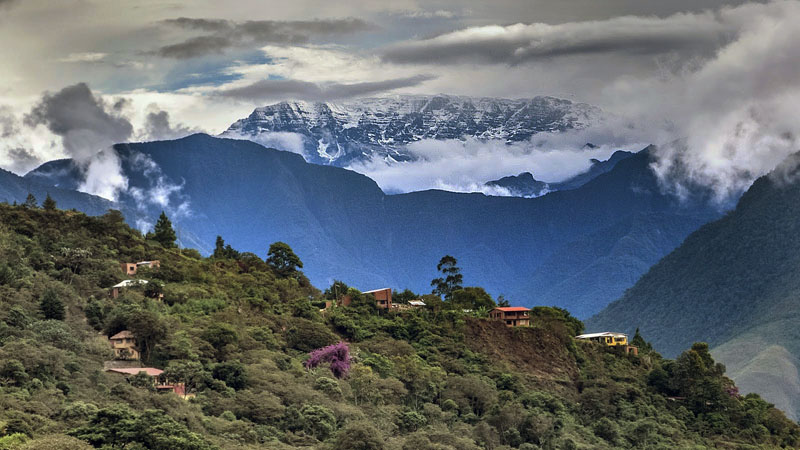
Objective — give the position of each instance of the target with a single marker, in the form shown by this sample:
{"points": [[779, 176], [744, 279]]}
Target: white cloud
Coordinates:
{"points": [[89, 57], [464, 166], [281, 140]]}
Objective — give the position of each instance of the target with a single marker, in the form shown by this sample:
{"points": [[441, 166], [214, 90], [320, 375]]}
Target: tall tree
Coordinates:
{"points": [[30, 201], [163, 232], [450, 280], [49, 204], [283, 260], [51, 306], [219, 248]]}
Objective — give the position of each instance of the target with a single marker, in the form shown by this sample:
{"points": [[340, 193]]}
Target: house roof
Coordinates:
{"points": [[377, 290], [128, 283], [603, 334], [512, 308], [124, 334], [416, 303], [152, 371]]}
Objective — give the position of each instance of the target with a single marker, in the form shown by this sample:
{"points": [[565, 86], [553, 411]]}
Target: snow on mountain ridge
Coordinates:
{"points": [[340, 133]]}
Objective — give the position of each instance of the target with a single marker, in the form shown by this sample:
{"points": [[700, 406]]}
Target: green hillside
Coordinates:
{"points": [[735, 284], [236, 332]]}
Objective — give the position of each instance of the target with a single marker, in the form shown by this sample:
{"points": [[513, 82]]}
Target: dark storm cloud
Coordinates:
{"points": [[196, 46], [8, 123], [158, 127], [22, 159], [223, 34], [303, 90], [520, 43], [85, 122]]}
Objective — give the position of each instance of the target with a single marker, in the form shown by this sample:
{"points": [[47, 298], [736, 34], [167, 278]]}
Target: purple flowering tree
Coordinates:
{"points": [[338, 355]]}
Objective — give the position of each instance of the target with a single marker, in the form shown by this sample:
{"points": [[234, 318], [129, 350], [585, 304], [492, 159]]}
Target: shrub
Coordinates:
{"points": [[359, 436], [305, 335], [329, 386], [411, 420]]}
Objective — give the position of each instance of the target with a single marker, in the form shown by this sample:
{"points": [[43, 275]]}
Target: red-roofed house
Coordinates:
{"points": [[514, 316]]}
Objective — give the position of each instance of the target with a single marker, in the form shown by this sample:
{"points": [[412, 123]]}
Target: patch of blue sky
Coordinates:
{"points": [[209, 71]]}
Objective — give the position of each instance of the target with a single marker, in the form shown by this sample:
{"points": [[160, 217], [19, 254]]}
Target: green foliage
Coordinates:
{"points": [[359, 436], [30, 201], [474, 298], [235, 333], [451, 278], [550, 314], [51, 306], [49, 204], [232, 373], [282, 260], [119, 427], [223, 251], [163, 232]]}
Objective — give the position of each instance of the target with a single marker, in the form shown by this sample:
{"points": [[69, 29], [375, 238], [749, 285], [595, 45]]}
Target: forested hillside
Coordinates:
{"points": [[242, 334], [733, 283]]}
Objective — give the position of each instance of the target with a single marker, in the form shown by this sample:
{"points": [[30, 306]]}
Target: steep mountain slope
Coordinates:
{"points": [[14, 188], [596, 169], [341, 133], [733, 283], [344, 226]]}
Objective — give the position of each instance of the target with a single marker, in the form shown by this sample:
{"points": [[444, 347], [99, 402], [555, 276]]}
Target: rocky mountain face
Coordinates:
{"points": [[733, 283], [343, 226], [341, 133]]}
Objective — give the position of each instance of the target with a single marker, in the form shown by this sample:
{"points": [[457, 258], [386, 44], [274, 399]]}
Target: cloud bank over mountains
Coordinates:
{"points": [[713, 81]]}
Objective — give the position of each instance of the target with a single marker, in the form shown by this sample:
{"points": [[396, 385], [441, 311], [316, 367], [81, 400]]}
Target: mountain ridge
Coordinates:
{"points": [[344, 224], [379, 128]]}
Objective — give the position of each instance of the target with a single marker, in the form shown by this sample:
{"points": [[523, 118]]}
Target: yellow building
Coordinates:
{"points": [[124, 345], [611, 339], [608, 338]]}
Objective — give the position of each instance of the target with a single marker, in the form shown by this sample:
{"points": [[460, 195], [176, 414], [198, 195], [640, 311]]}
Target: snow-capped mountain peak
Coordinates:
{"points": [[341, 133]]}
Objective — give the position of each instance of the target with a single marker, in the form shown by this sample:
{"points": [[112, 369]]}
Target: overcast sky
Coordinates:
{"points": [[158, 69]]}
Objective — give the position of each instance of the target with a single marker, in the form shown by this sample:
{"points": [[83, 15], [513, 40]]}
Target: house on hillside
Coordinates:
{"points": [[611, 339], [124, 345], [119, 287], [125, 284], [413, 304], [131, 268], [160, 383], [513, 316], [383, 297]]}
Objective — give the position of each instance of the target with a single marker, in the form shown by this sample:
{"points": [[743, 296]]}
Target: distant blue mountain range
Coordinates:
{"points": [[576, 248]]}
